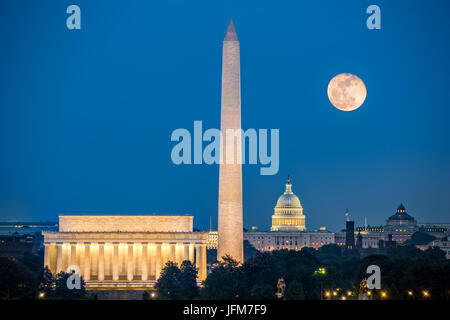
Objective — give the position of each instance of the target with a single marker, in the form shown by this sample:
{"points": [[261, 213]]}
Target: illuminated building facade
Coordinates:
{"points": [[212, 240], [401, 225], [370, 229], [268, 241], [288, 215], [123, 251], [436, 230], [288, 229]]}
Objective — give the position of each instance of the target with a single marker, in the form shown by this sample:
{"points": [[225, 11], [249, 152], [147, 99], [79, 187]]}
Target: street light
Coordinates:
{"points": [[321, 271], [383, 294]]}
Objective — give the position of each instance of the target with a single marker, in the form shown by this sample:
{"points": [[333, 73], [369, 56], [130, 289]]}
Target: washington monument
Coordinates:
{"points": [[230, 227]]}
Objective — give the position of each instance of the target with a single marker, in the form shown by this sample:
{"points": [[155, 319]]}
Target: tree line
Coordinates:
{"points": [[309, 274]]}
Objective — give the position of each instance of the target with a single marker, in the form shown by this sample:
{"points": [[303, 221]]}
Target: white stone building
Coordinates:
{"points": [[123, 251], [268, 241], [288, 229]]}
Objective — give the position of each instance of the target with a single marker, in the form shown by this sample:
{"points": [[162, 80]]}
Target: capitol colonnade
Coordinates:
{"points": [[132, 256]]}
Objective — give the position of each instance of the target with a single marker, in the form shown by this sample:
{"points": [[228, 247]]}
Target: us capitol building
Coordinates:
{"points": [[288, 212], [288, 230]]}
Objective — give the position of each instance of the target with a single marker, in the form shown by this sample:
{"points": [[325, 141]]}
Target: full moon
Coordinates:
{"points": [[346, 92]]}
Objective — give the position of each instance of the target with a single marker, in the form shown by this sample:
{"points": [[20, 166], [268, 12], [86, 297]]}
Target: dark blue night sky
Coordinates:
{"points": [[86, 115]]}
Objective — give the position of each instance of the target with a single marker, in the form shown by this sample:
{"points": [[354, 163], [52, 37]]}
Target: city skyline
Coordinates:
{"points": [[92, 132], [360, 221], [224, 159]]}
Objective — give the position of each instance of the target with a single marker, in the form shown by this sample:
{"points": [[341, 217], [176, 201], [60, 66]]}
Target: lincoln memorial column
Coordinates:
{"points": [[144, 275], [152, 252], [130, 262], [47, 255], [73, 254], [101, 261], [203, 262], [186, 251], [158, 261], [198, 258], [59, 257], [115, 261], [172, 256], [191, 253], [87, 261], [66, 256]]}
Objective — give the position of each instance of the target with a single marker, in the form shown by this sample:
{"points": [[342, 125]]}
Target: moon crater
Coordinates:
{"points": [[346, 92]]}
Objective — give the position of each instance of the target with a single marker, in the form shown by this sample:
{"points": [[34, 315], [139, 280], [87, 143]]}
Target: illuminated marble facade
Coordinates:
{"points": [[230, 214], [212, 240], [123, 251], [288, 215], [268, 241]]}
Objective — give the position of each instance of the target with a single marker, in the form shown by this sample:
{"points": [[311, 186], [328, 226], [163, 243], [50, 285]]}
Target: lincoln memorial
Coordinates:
{"points": [[123, 251]]}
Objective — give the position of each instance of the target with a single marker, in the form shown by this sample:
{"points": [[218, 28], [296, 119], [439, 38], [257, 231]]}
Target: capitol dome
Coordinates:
{"points": [[288, 199], [288, 213]]}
